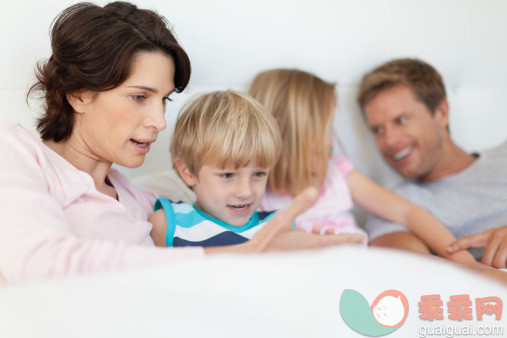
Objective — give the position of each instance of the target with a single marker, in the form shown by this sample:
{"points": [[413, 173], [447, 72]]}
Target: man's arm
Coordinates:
{"points": [[495, 242], [401, 240]]}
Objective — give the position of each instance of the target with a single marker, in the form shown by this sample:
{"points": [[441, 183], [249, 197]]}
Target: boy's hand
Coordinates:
{"points": [[278, 235], [316, 229], [495, 242]]}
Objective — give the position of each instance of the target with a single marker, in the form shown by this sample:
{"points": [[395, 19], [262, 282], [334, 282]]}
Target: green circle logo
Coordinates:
{"points": [[385, 315]]}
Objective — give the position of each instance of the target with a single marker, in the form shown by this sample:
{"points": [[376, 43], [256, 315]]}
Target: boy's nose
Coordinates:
{"points": [[243, 189]]}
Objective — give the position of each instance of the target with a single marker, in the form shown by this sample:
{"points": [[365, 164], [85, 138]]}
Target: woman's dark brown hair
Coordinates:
{"points": [[93, 48]]}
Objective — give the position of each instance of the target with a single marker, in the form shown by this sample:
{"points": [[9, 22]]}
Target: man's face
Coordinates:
{"points": [[409, 137]]}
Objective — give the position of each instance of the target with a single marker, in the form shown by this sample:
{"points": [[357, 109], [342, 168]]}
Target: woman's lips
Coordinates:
{"points": [[142, 146]]}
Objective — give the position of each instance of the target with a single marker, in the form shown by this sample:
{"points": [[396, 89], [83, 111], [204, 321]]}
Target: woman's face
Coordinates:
{"points": [[119, 125]]}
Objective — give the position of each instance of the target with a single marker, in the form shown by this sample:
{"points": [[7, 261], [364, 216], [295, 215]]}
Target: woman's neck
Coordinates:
{"points": [[82, 160]]}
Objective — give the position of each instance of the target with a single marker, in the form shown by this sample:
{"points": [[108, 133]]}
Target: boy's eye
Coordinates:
{"points": [[226, 175]]}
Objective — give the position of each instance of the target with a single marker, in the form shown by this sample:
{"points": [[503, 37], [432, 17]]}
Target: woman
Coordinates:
{"points": [[106, 84]]}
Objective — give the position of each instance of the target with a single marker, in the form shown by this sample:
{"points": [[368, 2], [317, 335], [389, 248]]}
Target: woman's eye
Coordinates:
{"points": [[139, 98], [167, 99]]}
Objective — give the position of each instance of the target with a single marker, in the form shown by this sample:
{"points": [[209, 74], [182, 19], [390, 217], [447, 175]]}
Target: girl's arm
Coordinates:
{"points": [[402, 240], [386, 204]]}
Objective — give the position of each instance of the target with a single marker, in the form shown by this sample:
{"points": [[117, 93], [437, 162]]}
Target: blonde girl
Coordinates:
{"points": [[303, 106]]}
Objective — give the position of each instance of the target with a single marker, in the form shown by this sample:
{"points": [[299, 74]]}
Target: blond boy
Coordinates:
{"points": [[223, 147]]}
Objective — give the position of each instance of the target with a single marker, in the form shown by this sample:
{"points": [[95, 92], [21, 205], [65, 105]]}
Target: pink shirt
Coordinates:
{"points": [[332, 209], [53, 222]]}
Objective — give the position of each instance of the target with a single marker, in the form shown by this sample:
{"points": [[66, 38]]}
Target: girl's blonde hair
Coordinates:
{"points": [[226, 129], [303, 105]]}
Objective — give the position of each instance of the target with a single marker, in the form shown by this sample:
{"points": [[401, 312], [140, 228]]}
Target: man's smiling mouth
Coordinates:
{"points": [[402, 154]]}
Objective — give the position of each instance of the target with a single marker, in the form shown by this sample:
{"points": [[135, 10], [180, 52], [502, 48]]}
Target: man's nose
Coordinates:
{"points": [[391, 137]]}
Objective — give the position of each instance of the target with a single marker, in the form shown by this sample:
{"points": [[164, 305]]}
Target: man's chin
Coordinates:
{"points": [[406, 172]]}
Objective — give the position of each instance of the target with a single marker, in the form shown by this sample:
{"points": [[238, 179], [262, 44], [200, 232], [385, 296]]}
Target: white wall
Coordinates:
{"points": [[229, 41]]}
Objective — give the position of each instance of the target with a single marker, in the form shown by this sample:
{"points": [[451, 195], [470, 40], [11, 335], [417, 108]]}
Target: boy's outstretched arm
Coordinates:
{"points": [[159, 230], [278, 234]]}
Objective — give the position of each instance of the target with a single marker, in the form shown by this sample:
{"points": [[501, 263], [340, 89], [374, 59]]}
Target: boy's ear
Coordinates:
{"points": [[79, 100], [185, 174]]}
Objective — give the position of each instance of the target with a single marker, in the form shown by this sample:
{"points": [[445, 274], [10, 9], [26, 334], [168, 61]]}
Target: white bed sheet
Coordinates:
{"points": [[269, 295]]}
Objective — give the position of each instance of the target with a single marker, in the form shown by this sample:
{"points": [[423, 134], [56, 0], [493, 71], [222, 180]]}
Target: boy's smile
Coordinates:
{"points": [[230, 195]]}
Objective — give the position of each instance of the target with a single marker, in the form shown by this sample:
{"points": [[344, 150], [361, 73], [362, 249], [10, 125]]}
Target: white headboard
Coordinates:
{"points": [[230, 41]]}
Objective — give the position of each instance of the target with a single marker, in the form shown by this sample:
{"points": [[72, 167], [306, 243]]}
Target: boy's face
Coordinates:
{"points": [[230, 195]]}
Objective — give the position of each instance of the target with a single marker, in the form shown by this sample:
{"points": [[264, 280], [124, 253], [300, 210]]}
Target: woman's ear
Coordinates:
{"points": [[79, 100], [185, 174]]}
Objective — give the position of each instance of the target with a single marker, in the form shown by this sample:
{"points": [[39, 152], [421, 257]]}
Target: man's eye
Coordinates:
{"points": [[401, 119]]}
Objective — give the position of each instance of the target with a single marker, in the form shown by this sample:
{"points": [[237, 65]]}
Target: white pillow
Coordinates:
{"points": [[167, 184]]}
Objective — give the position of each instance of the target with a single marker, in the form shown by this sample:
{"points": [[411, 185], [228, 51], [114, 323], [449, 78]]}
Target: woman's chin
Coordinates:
{"points": [[131, 163]]}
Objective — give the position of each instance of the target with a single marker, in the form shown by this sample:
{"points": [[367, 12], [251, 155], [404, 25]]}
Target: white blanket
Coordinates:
{"points": [[269, 295]]}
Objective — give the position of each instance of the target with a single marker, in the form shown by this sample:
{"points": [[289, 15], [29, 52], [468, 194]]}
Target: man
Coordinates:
{"points": [[405, 106]]}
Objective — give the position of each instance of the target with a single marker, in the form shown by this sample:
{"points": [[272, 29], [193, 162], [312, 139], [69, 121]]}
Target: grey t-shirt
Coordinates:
{"points": [[467, 203]]}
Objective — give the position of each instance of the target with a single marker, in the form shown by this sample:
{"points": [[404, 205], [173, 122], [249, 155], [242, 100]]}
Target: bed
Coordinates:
{"points": [[267, 295]]}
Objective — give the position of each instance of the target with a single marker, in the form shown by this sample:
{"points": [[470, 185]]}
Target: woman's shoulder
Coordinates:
{"points": [[25, 150], [14, 132]]}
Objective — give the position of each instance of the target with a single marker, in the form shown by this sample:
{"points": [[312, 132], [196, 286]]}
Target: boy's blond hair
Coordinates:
{"points": [[227, 129], [303, 106]]}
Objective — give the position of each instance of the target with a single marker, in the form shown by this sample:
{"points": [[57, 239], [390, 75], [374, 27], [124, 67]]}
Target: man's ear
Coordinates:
{"points": [[442, 113], [79, 100], [185, 174]]}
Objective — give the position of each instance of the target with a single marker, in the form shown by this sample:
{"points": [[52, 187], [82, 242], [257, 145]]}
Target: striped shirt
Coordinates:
{"points": [[187, 225]]}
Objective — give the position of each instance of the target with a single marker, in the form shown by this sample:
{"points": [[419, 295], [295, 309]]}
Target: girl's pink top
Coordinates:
{"points": [[332, 209], [53, 222]]}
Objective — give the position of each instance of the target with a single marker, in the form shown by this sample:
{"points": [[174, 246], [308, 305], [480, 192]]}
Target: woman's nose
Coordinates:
{"points": [[156, 119]]}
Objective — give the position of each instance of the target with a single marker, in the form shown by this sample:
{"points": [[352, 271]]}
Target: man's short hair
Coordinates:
{"points": [[424, 81], [227, 129]]}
